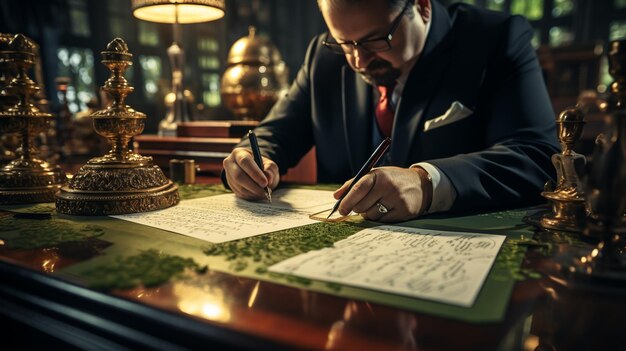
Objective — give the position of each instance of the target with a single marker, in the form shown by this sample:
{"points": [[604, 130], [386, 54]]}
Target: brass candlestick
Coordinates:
{"points": [[120, 181], [7, 72], [568, 198], [26, 179]]}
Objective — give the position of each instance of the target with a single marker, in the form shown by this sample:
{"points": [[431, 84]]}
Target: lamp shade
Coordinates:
{"points": [[187, 11]]}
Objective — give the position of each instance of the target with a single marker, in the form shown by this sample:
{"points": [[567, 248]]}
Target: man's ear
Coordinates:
{"points": [[424, 9]]}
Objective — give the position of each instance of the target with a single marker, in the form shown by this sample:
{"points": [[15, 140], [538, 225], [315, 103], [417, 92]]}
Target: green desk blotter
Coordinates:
{"points": [[250, 257]]}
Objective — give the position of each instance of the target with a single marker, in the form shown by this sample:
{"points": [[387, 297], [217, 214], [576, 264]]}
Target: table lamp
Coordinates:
{"points": [[177, 12]]}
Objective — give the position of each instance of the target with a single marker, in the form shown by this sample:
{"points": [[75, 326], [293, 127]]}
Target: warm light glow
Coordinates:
{"points": [[189, 11], [48, 265], [531, 342], [203, 302], [239, 46], [253, 295], [552, 292], [212, 311], [235, 72], [350, 309], [334, 335]]}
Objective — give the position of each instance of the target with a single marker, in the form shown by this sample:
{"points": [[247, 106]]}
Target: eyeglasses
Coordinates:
{"points": [[370, 45]]}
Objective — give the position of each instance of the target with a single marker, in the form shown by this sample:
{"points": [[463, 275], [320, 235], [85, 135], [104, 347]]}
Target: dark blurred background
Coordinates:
{"points": [[570, 38]]}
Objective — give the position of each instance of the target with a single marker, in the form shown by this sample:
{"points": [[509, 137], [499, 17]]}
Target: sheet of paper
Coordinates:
{"points": [[224, 218], [448, 267]]}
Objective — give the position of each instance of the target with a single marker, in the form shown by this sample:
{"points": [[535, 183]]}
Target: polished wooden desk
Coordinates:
{"points": [[44, 304]]}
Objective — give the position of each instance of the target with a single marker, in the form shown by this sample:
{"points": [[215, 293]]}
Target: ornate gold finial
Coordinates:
{"points": [[117, 59], [118, 122], [120, 181], [26, 179], [21, 53]]}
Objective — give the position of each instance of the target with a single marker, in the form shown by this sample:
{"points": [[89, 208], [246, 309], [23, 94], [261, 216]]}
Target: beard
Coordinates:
{"points": [[380, 73]]}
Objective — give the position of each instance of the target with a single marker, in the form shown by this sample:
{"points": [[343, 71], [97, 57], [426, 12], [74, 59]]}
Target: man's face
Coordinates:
{"points": [[373, 19]]}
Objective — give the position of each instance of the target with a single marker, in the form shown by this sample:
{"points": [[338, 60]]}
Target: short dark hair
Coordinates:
{"points": [[393, 4]]}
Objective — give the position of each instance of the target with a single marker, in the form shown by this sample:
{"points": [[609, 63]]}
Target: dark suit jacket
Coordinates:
{"points": [[497, 157]]}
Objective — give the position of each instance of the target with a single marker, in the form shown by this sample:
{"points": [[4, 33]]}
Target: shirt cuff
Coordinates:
{"points": [[444, 193]]}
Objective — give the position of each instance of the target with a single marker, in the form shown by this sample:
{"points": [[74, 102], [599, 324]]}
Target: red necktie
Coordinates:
{"points": [[384, 110]]}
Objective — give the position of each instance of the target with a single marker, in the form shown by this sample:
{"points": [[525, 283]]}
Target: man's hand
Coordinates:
{"points": [[245, 178], [397, 189]]}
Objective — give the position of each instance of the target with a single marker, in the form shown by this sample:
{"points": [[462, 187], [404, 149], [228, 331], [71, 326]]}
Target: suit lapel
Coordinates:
{"points": [[357, 110], [422, 84]]}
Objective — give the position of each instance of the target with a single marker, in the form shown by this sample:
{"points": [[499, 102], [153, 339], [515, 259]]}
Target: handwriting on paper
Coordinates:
{"points": [[443, 266], [224, 218]]}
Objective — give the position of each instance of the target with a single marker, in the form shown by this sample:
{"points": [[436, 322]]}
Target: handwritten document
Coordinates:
{"points": [[448, 267], [224, 218]]}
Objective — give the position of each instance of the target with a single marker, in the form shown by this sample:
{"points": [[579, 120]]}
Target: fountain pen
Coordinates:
{"points": [[256, 152], [369, 164]]}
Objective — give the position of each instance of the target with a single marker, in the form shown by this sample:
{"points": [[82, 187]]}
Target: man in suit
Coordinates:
{"points": [[471, 123]]}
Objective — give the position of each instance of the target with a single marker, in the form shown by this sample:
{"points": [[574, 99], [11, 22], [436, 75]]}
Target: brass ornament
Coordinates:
{"points": [[568, 197], [256, 77], [121, 181], [26, 179], [603, 268]]}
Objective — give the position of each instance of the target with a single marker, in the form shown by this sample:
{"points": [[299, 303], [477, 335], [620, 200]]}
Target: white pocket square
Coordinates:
{"points": [[456, 112]]}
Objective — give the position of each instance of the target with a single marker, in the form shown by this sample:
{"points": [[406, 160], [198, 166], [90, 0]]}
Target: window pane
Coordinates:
{"points": [[151, 68], [208, 45], [209, 62], [211, 81], [211, 85], [206, 79], [78, 65], [119, 27], [496, 5], [531, 9], [148, 33], [605, 77], [78, 18], [211, 98], [617, 30], [562, 8], [261, 11], [560, 36]]}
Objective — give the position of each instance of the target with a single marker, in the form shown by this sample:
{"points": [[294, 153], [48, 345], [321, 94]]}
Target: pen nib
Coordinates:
{"points": [[268, 194]]}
